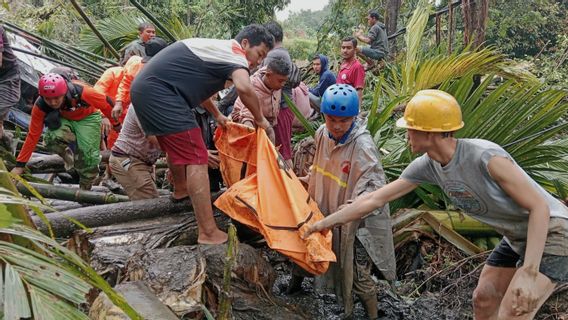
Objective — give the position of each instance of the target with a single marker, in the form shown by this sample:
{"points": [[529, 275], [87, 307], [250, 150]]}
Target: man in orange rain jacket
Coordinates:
{"points": [[108, 84], [70, 111], [131, 69]]}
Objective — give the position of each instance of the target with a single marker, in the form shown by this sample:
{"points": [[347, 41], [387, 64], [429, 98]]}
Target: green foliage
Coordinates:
{"points": [[40, 277], [51, 283], [525, 27], [305, 24], [121, 30], [520, 113], [225, 18], [553, 67], [301, 48]]}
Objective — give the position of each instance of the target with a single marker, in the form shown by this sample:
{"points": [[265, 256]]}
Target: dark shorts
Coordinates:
{"points": [[161, 110], [552, 266], [186, 147], [283, 132], [373, 53]]}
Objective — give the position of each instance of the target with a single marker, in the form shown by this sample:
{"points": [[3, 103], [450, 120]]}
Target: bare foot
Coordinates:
{"points": [[217, 237]]}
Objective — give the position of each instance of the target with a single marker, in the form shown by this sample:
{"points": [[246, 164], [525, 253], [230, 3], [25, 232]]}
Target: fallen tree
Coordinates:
{"points": [[107, 214], [104, 215]]}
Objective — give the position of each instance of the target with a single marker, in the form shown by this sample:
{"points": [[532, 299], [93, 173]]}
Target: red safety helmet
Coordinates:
{"points": [[52, 85]]}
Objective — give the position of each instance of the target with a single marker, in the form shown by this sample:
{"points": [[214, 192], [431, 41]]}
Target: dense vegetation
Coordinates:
{"points": [[501, 99]]}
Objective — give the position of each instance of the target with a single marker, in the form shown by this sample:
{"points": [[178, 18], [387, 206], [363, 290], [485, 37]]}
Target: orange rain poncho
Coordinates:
{"points": [[270, 199]]}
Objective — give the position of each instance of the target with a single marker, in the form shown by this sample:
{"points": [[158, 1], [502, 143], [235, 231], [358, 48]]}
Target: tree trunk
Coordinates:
{"points": [[391, 18], [475, 13], [72, 194], [104, 215], [107, 214]]}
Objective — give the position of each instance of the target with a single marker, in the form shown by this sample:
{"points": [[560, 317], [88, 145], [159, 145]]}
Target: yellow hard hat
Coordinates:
{"points": [[432, 111]]}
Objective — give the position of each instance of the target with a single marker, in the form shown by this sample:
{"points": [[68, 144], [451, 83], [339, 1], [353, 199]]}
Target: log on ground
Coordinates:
{"points": [[72, 194], [107, 214]]}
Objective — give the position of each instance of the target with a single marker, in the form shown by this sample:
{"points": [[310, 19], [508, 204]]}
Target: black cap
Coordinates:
{"points": [[153, 46]]}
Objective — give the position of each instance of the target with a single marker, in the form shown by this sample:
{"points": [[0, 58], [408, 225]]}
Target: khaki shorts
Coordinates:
{"points": [[136, 176]]}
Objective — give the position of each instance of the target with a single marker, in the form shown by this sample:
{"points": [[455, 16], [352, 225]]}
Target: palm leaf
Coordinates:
{"points": [[48, 307], [121, 30], [57, 276], [305, 122], [15, 301]]}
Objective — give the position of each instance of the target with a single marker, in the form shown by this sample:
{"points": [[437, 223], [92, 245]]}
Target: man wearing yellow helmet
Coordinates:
{"points": [[485, 182]]}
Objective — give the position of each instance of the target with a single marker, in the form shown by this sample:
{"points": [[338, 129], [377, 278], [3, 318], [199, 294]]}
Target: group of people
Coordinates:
{"points": [[150, 103]]}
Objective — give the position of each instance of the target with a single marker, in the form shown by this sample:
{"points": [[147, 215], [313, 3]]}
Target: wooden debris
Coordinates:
{"points": [[139, 296]]}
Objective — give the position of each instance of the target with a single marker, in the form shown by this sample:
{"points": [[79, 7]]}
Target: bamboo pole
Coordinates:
{"points": [[47, 43], [92, 55], [92, 74], [94, 29], [155, 21], [72, 194], [39, 40], [77, 57]]}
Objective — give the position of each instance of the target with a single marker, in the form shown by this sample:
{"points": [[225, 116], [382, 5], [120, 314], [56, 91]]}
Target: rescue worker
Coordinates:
{"points": [[184, 75], [131, 70], [108, 84], [484, 181], [347, 165], [70, 110]]}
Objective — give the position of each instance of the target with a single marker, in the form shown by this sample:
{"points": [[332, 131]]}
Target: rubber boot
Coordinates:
{"points": [[295, 285], [370, 304]]}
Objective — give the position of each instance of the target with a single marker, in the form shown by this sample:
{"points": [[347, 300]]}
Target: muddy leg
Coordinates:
{"points": [[491, 288]]}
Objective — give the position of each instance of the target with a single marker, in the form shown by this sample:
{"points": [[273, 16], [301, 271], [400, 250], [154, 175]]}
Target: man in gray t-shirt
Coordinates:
{"points": [[377, 39], [481, 179]]}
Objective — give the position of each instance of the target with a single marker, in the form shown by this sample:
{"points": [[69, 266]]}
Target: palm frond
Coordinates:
{"points": [[121, 30], [415, 30], [51, 283]]}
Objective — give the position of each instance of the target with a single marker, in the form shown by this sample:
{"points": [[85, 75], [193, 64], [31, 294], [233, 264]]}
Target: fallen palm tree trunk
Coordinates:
{"points": [[462, 224], [450, 225], [71, 194], [107, 214], [109, 247]]}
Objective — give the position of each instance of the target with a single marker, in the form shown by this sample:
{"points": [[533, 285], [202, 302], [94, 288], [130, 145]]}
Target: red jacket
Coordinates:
{"points": [[90, 99]]}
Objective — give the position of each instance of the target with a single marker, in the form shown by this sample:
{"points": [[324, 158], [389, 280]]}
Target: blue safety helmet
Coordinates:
{"points": [[340, 100]]}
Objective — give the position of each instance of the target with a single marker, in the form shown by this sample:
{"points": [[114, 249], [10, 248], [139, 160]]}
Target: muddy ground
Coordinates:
{"points": [[438, 288]]}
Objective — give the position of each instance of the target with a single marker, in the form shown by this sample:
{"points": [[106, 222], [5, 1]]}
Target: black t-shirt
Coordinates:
{"points": [[9, 66], [179, 78]]}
